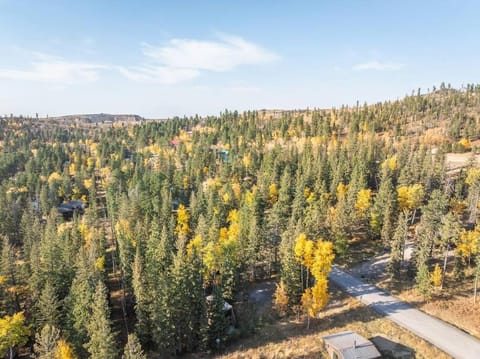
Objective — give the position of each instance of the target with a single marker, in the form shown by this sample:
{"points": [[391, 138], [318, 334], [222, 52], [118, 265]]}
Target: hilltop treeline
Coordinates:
{"points": [[184, 214]]}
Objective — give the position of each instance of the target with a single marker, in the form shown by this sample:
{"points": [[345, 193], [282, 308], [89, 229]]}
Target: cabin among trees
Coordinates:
{"points": [[67, 210]]}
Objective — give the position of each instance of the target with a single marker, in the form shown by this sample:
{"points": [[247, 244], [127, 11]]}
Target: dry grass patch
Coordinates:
{"points": [[289, 338], [454, 304]]}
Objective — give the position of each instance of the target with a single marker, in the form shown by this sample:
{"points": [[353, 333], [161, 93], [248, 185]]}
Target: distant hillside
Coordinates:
{"points": [[97, 118]]}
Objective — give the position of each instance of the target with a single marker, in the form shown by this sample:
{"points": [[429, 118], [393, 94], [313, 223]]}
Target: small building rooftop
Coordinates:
{"points": [[350, 345]]}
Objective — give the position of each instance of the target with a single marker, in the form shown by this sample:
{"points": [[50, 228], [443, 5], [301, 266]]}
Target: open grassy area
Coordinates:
{"points": [[289, 338]]}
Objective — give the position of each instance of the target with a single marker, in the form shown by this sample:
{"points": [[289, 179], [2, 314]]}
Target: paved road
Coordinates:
{"points": [[376, 268], [451, 340]]}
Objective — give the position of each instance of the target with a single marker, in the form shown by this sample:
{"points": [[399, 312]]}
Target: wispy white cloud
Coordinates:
{"points": [[379, 66], [184, 59], [158, 74], [176, 61], [51, 69]]}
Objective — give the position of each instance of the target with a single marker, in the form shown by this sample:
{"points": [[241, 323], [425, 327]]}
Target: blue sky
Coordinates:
{"points": [[166, 58]]}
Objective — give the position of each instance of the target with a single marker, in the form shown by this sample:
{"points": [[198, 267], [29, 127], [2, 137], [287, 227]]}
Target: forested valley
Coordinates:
{"points": [[125, 240]]}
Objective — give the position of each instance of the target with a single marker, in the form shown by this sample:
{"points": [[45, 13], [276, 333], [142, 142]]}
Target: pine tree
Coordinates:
{"points": [[449, 233], [383, 210], [158, 283], [78, 304], [290, 269], [101, 344], [397, 245], [46, 342], [424, 285], [48, 307], [8, 271], [280, 213], [217, 322], [133, 349], [140, 292]]}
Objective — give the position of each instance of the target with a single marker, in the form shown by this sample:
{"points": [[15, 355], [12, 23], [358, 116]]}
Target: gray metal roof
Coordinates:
{"points": [[352, 346]]}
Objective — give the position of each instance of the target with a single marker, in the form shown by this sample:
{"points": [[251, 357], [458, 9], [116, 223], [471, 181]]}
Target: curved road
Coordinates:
{"points": [[444, 336]]}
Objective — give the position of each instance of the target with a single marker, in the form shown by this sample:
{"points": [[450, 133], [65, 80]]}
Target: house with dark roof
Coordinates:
{"points": [[350, 345], [67, 210]]}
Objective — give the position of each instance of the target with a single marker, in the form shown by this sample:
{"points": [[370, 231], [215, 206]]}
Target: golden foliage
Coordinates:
{"points": [[54, 177], [390, 163], [436, 276], [182, 228], [211, 257], [226, 198], [88, 183], [364, 201], [123, 229], [458, 206], [100, 264], [473, 177], [272, 194], [13, 331], [194, 245], [247, 160], [342, 190], [466, 144], [64, 350], [237, 190], [323, 258], [185, 182], [316, 257], [315, 298], [410, 197], [90, 162], [280, 299], [468, 244]]}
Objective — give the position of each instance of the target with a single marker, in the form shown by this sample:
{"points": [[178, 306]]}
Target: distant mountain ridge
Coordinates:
{"points": [[98, 118]]}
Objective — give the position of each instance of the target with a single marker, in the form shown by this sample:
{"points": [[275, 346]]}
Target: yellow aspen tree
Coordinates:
{"points": [[342, 190], [410, 197], [64, 350], [304, 255], [468, 244], [319, 296], [436, 276], [299, 249], [247, 160], [13, 332], [182, 228], [272, 194], [307, 304], [54, 177], [88, 183], [280, 299], [323, 258], [317, 257], [211, 259], [390, 163], [364, 202], [237, 190], [194, 246]]}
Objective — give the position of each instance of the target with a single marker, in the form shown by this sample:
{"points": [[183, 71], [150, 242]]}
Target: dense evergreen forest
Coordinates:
{"points": [[183, 215]]}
